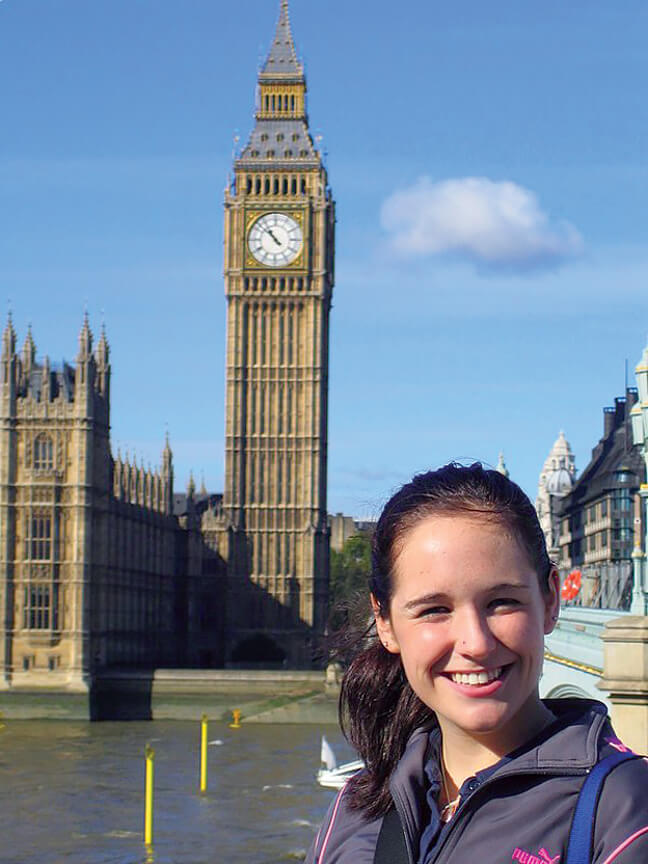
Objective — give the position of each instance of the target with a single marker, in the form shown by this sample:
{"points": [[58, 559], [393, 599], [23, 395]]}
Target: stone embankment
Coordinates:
{"points": [[262, 696]]}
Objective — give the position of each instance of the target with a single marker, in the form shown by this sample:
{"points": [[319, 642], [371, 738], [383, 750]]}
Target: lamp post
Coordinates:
{"points": [[639, 419]]}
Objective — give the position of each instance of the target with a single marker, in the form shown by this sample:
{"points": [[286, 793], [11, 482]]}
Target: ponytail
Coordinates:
{"points": [[379, 711]]}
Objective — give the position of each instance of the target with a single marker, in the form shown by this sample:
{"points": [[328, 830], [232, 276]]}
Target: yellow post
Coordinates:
{"points": [[148, 807], [203, 753], [236, 716]]}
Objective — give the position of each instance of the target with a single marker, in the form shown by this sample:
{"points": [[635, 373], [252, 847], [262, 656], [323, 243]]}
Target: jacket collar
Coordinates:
{"points": [[571, 743]]}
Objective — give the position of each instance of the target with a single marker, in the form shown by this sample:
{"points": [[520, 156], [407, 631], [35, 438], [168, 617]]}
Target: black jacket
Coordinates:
{"points": [[521, 812]]}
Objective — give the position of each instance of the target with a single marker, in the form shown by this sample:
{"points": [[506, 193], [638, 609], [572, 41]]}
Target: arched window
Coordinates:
{"points": [[43, 459]]}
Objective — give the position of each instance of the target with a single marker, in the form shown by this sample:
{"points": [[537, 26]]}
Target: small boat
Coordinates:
{"points": [[332, 775]]}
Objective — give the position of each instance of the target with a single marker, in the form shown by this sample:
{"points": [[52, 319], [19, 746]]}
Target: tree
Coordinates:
{"points": [[350, 571]]}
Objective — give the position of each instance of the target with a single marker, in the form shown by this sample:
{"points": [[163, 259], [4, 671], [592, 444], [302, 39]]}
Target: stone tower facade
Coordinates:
{"points": [[279, 252], [89, 574]]}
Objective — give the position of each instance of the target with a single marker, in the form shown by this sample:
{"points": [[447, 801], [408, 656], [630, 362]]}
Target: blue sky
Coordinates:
{"points": [[489, 162]]}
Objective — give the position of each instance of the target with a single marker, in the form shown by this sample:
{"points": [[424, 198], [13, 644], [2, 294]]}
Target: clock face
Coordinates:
{"points": [[275, 239]]}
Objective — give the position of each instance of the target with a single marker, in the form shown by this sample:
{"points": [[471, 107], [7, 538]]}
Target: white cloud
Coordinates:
{"points": [[495, 224]]}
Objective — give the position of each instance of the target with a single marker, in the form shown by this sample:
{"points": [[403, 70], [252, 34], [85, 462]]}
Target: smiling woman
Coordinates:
{"points": [[442, 703]]}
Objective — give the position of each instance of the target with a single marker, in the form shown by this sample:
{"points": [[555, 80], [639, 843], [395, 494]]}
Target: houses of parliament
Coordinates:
{"points": [[102, 565]]}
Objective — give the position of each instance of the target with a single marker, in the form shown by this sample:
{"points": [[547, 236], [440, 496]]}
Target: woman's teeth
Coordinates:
{"points": [[476, 677]]}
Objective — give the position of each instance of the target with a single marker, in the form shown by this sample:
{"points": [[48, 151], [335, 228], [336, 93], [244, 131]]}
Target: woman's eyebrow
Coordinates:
{"points": [[425, 599], [508, 586]]}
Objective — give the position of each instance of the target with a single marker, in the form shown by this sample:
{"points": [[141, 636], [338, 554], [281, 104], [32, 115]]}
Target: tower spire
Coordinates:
{"points": [[281, 62]]}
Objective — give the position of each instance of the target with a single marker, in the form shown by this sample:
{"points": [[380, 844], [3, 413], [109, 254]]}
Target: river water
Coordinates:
{"points": [[73, 792]]}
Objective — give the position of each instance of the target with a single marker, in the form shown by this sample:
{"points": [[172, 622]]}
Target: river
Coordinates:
{"points": [[73, 792]]}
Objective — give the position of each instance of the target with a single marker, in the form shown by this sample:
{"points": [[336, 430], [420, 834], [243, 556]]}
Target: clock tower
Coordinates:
{"points": [[279, 250]]}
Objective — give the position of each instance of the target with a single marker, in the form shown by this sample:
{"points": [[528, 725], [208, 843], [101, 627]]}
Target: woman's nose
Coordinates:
{"points": [[473, 637]]}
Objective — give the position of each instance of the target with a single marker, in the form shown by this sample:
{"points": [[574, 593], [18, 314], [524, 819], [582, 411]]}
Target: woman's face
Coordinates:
{"points": [[468, 619]]}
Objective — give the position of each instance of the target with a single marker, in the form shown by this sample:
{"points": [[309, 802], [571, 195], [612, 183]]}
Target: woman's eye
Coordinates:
{"points": [[504, 602], [432, 611]]}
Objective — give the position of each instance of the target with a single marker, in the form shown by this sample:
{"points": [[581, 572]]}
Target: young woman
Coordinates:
{"points": [[465, 762]]}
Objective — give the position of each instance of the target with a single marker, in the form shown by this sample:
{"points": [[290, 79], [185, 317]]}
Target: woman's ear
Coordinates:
{"points": [[384, 628], [552, 602]]}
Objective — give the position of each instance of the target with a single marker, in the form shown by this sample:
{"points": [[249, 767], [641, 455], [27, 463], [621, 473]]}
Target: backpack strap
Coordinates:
{"points": [[581, 835], [391, 848]]}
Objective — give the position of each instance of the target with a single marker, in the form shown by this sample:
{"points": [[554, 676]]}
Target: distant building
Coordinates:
{"points": [[557, 479], [96, 569], [342, 527], [597, 517], [501, 466]]}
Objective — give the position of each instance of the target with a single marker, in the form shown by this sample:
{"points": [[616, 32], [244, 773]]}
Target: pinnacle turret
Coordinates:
{"points": [[9, 338], [501, 465], [29, 350], [85, 339], [103, 348]]}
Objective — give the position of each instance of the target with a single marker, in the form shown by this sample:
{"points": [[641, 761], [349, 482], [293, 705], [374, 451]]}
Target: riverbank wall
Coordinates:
{"points": [[262, 696]]}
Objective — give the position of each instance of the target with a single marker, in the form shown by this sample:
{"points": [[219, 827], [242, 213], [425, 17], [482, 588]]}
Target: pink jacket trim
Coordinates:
{"points": [[320, 857], [625, 844]]}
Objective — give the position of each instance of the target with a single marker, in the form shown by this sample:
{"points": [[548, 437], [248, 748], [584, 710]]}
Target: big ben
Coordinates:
{"points": [[278, 266]]}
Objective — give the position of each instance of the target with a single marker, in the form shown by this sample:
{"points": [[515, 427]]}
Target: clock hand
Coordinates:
{"points": [[278, 242]]}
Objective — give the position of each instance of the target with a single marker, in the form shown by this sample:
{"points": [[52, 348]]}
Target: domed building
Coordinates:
{"points": [[557, 479]]}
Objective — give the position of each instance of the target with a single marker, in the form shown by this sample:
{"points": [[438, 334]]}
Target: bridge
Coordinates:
{"points": [[602, 654]]}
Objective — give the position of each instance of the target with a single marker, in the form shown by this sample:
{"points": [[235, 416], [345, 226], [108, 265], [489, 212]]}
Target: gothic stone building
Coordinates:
{"points": [[100, 564], [96, 571]]}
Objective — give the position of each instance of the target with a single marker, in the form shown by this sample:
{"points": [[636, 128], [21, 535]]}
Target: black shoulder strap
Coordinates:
{"points": [[581, 836], [391, 848]]}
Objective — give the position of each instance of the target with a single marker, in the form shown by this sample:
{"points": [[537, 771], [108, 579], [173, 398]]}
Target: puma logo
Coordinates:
{"points": [[543, 857]]}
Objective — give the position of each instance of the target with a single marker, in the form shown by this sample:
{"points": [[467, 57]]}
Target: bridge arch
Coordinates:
{"points": [[568, 691], [258, 650]]}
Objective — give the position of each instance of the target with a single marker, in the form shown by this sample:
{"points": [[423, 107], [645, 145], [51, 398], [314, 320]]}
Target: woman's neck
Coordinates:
{"points": [[464, 754]]}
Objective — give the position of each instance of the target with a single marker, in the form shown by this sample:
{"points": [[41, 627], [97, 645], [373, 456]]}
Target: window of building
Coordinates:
{"points": [[38, 538], [280, 136], [53, 663], [295, 136], [43, 453], [37, 606], [604, 539], [604, 508], [264, 137]]}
